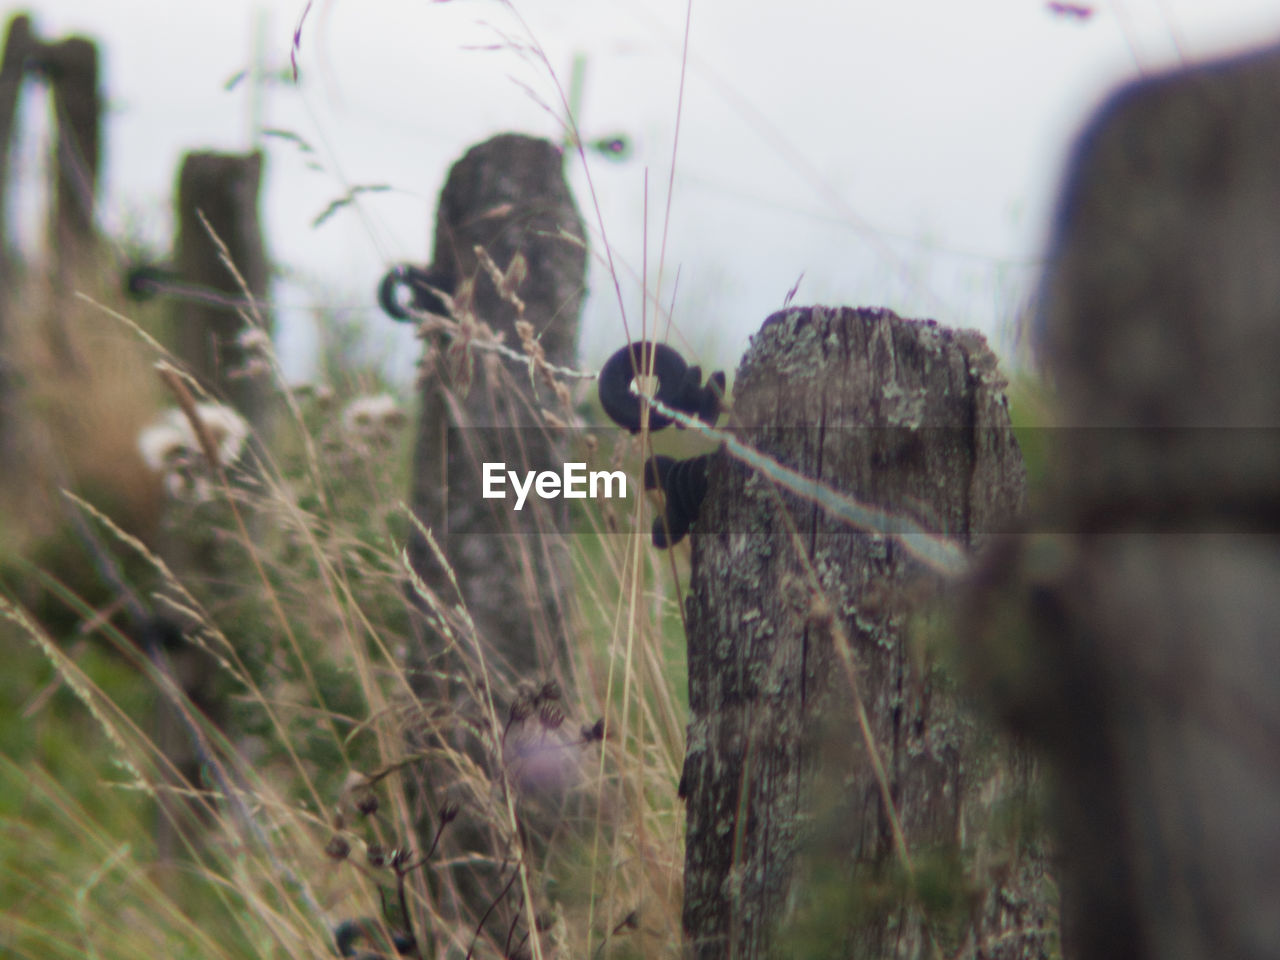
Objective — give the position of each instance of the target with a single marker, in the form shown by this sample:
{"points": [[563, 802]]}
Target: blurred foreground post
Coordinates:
{"points": [[1144, 638], [793, 839]]}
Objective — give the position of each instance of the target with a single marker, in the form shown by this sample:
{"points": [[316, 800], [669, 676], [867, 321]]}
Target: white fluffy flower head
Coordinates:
{"points": [[375, 415], [169, 446]]}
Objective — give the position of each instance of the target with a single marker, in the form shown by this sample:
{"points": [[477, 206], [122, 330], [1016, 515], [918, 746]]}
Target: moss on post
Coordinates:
{"points": [[857, 839]]}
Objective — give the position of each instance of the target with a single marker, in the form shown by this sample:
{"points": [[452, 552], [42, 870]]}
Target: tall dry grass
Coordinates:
{"points": [[286, 581]]}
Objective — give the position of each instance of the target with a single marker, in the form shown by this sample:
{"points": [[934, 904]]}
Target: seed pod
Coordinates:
{"points": [[338, 848]]}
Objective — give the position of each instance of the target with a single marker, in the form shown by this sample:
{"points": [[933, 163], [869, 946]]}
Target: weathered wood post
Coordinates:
{"points": [[71, 68], [17, 47], [789, 825], [507, 198], [207, 323], [1134, 633], [224, 188]]}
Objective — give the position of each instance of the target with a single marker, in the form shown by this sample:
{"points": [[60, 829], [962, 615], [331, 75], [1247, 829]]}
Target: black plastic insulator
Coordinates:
{"points": [[679, 386], [421, 286], [684, 485]]}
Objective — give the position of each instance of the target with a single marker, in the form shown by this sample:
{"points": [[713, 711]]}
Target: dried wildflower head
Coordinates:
{"points": [[521, 708], [254, 340], [228, 430], [551, 716], [372, 417], [338, 848], [164, 443], [594, 732], [255, 349], [319, 394], [539, 752], [253, 366], [169, 446], [169, 449], [358, 795]]}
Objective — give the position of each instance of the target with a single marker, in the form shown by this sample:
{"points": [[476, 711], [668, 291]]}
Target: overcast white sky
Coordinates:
{"points": [[900, 153]]}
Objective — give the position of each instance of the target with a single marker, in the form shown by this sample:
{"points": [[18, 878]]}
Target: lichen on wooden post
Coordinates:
{"points": [[790, 827]]}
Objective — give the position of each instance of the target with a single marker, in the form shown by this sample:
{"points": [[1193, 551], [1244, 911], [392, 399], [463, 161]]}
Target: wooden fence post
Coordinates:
{"points": [[71, 68], [788, 824], [17, 48], [224, 188], [1138, 645], [508, 197], [207, 327]]}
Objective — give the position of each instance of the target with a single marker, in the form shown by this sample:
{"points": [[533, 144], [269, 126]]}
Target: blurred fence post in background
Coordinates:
{"points": [[793, 837], [16, 50], [1140, 647], [209, 338], [19, 45], [507, 199], [209, 331], [70, 67]]}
